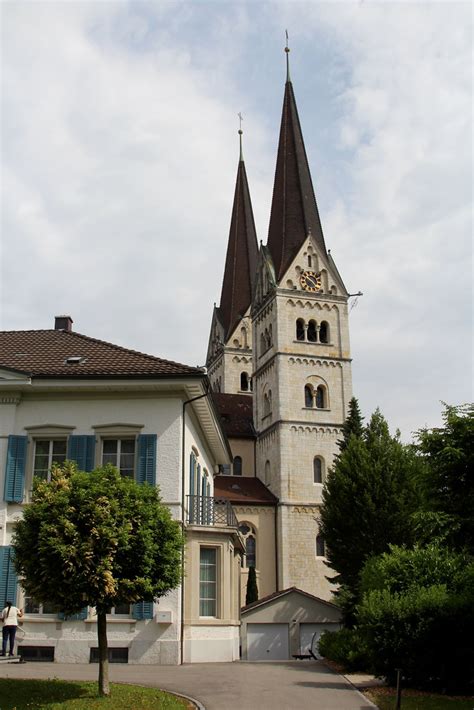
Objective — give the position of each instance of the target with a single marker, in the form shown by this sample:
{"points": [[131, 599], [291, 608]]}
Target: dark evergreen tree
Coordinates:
{"points": [[353, 424], [252, 589], [368, 502]]}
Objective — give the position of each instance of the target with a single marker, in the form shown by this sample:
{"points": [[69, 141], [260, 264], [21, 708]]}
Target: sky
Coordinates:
{"points": [[119, 152]]}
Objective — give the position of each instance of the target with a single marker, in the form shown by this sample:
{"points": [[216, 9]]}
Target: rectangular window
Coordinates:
{"points": [[116, 655], [37, 653], [120, 610], [47, 452], [120, 453], [208, 582], [34, 607]]}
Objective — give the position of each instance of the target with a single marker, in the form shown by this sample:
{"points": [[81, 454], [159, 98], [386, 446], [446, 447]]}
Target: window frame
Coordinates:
{"points": [[320, 541], [320, 460], [216, 581], [51, 441], [119, 439]]}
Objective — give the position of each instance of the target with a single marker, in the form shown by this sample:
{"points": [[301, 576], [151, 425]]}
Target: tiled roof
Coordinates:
{"points": [[44, 353], [236, 414], [241, 258], [275, 595], [243, 489], [294, 212]]}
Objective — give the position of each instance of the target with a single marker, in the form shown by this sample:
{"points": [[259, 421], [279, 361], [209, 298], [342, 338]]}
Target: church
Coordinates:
{"points": [[279, 364], [239, 449]]}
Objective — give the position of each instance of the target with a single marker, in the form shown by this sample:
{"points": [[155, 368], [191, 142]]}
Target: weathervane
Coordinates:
{"points": [[287, 50]]}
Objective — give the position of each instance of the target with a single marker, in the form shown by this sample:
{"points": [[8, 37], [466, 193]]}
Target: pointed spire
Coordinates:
{"points": [[294, 212], [241, 258]]}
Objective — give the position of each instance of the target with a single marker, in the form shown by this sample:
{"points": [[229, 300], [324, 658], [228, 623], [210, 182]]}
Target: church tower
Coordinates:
{"points": [[229, 354], [302, 366]]}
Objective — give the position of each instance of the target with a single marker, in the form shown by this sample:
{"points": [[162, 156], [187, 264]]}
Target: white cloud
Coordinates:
{"points": [[119, 155]]}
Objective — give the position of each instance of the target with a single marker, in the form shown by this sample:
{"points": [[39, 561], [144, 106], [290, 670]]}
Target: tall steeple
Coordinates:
{"points": [[294, 212], [241, 259]]}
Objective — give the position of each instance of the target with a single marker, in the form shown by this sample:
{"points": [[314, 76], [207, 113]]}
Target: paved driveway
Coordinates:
{"points": [[297, 685]]}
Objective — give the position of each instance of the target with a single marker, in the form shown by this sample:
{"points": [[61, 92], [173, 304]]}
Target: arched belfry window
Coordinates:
{"points": [[244, 382], [308, 396], [237, 466], [324, 332], [320, 546], [250, 541], [300, 329], [312, 332], [267, 472], [317, 469], [321, 399]]}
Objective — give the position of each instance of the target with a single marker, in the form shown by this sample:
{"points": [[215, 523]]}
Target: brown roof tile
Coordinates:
{"points": [[243, 489], [44, 353], [236, 414]]}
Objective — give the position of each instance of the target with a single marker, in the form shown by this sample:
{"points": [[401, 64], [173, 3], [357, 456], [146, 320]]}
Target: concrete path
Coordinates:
{"points": [[297, 685]]}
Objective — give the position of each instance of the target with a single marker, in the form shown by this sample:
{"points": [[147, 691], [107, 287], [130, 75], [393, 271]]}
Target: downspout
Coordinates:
{"points": [[183, 480], [277, 571]]}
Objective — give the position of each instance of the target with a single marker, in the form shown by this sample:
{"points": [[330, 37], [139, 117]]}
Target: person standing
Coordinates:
{"points": [[9, 616]]}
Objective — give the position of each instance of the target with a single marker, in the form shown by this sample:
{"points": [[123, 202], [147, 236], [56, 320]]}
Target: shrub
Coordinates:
{"points": [[345, 647], [425, 631]]}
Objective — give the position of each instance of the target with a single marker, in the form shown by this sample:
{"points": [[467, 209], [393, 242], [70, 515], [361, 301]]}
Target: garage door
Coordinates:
{"points": [[267, 642], [310, 635]]}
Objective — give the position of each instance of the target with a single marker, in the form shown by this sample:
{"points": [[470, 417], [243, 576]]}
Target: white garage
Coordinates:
{"points": [[267, 642], [310, 635], [285, 624]]}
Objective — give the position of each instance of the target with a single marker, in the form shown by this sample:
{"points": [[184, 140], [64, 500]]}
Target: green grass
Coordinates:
{"points": [[385, 699], [62, 695]]}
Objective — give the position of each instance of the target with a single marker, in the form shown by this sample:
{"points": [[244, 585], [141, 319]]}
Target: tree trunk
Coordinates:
{"points": [[104, 688]]}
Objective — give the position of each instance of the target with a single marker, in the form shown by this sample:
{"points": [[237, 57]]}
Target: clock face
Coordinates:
{"points": [[310, 281]]}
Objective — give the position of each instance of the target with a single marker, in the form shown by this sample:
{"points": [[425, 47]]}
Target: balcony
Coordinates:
{"points": [[214, 512]]}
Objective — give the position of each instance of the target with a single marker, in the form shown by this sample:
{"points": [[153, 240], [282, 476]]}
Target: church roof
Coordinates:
{"points": [[241, 259], [236, 414], [243, 489], [64, 353], [294, 212]]}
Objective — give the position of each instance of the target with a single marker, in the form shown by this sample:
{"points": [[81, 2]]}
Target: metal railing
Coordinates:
{"points": [[204, 510]]}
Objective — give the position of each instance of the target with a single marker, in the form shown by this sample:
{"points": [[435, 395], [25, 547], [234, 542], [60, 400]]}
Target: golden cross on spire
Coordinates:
{"points": [[287, 50], [240, 133]]}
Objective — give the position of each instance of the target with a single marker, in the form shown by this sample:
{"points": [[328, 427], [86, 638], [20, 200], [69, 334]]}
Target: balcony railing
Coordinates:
{"points": [[203, 510]]}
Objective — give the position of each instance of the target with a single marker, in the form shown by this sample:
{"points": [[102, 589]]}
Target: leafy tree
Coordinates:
{"points": [[96, 539], [368, 502], [352, 425], [447, 480], [417, 614], [252, 589]]}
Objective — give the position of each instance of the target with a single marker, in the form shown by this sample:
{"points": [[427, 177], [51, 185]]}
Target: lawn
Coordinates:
{"points": [[61, 695], [385, 699]]}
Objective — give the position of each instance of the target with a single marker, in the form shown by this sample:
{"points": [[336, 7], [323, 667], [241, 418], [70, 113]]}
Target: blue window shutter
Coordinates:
{"points": [[15, 470], [80, 616], [8, 578], [143, 610], [81, 449], [192, 474], [146, 471]]}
